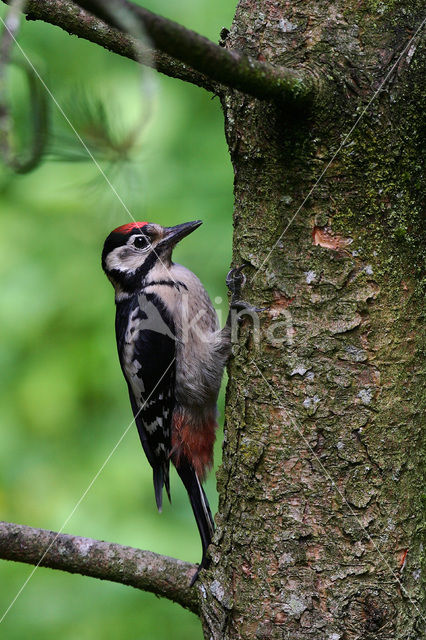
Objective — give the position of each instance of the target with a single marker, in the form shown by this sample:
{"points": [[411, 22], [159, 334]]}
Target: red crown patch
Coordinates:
{"points": [[127, 228]]}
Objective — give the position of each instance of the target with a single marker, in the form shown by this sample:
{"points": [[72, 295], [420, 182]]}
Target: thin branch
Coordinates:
{"points": [[164, 576], [72, 19], [231, 68]]}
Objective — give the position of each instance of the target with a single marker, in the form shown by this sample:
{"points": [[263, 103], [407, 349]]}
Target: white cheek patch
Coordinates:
{"points": [[124, 259]]}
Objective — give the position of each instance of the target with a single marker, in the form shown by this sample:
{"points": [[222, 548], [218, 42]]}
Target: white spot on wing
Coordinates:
{"points": [[151, 428]]}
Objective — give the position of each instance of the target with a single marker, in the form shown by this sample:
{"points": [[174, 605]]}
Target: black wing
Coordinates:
{"points": [[146, 347]]}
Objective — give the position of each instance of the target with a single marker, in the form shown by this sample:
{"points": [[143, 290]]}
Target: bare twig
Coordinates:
{"points": [[164, 576]]}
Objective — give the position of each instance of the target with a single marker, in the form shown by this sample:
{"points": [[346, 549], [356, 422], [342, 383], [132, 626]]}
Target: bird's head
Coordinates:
{"points": [[133, 250]]}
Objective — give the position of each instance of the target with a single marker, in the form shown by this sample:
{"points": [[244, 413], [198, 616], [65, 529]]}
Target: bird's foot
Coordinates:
{"points": [[235, 281]]}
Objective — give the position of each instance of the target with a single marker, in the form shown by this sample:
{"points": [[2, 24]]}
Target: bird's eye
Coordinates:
{"points": [[140, 242]]}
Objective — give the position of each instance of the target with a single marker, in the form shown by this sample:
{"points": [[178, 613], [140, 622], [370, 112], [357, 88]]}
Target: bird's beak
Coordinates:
{"points": [[172, 235]]}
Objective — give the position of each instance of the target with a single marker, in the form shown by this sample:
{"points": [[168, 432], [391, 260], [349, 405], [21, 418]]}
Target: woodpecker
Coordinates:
{"points": [[172, 353]]}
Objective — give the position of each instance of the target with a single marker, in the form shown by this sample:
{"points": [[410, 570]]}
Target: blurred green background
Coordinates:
{"points": [[63, 402]]}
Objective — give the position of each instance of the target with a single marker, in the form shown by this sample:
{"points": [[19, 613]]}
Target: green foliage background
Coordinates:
{"points": [[63, 402]]}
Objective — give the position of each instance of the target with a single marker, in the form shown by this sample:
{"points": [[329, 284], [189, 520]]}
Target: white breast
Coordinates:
{"points": [[198, 365]]}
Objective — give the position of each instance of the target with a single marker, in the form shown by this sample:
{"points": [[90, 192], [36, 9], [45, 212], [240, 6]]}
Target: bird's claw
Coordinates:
{"points": [[240, 305], [235, 281]]}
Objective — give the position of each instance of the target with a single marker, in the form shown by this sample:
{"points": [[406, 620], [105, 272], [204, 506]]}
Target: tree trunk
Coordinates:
{"points": [[319, 516]]}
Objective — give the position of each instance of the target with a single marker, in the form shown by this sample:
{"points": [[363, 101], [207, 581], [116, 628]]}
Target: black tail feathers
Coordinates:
{"points": [[199, 503], [161, 479], [200, 507]]}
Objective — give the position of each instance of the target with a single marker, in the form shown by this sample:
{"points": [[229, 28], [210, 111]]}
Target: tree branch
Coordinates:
{"points": [[180, 52], [72, 19], [164, 576], [233, 69]]}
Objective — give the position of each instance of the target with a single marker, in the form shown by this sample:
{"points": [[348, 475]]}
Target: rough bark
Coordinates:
{"points": [[166, 577], [319, 516]]}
